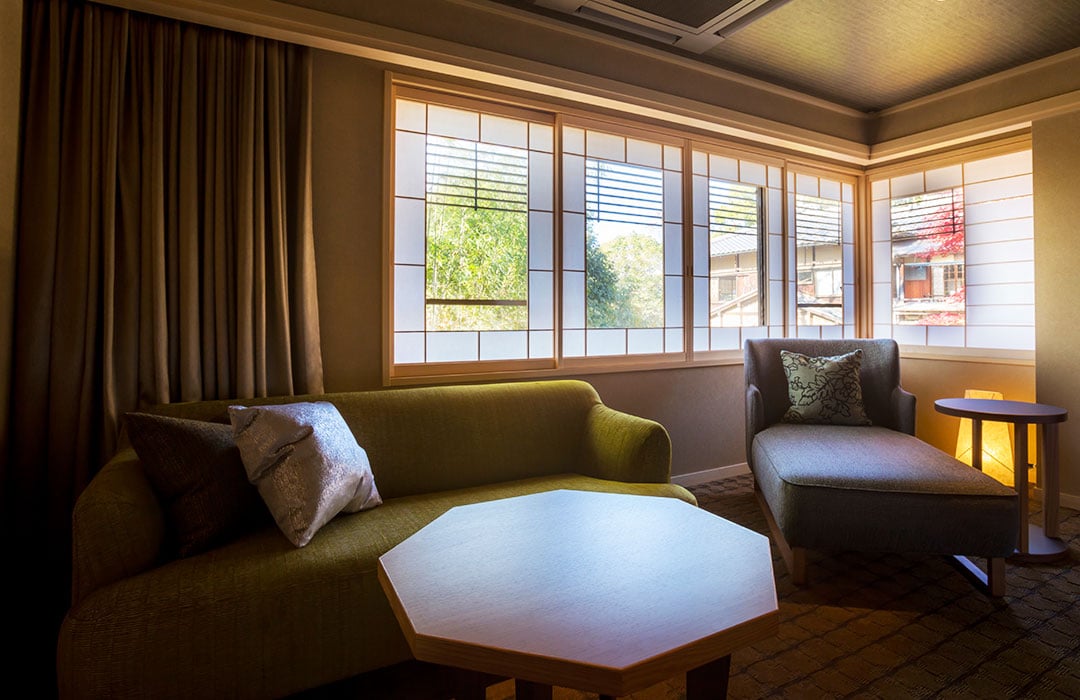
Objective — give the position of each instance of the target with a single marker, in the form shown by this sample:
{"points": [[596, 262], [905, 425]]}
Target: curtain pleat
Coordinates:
{"points": [[164, 250]]}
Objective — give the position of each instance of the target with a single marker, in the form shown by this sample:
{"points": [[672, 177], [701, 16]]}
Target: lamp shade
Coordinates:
{"points": [[997, 453]]}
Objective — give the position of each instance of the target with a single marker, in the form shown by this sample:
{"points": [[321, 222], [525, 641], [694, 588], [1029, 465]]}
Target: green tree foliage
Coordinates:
{"points": [[477, 254], [625, 280]]}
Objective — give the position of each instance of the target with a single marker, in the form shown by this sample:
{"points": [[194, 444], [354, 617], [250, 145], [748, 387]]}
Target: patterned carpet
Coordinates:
{"points": [[885, 626]]}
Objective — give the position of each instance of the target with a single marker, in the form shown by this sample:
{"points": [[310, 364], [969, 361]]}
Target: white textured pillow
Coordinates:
{"points": [[306, 464]]}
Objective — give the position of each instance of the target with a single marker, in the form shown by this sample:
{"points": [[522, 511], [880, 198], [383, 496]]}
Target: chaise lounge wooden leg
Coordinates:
{"points": [[995, 576], [794, 557]]}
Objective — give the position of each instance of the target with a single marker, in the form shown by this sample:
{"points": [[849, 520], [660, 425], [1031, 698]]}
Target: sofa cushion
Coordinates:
{"points": [[873, 489], [824, 389], [306, 464], [195, 470]]}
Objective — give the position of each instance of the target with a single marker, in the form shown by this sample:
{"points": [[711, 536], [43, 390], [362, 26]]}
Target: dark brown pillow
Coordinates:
{"points": [[195, 469]]}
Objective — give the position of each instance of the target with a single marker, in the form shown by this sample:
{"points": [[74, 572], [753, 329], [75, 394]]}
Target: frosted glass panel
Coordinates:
{"points": [[701, 339], [410, 164], [725, 339], [644, 153], [540, 181], [673, 203], [998, 252], [606, 341], [1014, 315], [907, 185], [504, 131], [832, 332], [993, 231], [574, 299], [755, 332], [806, 184], [1002, 209], [1000, 273], [752, 173], [775, 178], [541, 344], [879, 189], [573, 140], [541, 137], [812, 332], [943, 178], [882, 217], [672, 249], [574, 343], [948, 336], [411, 116], [573, 183], [408, 298], [1004, 337], [504, 345], [1001, 294], [830, 189], [605, 146], [540, 235], [673, 340], [997, 167], [673, 301], [701, 311], [723, 168], [775, 250], [848, 223], [456, 123], [775, 211], [701, 201], [910, 335], [644, 341], [882, 302], [701, 251], [672, 158], [452, 346], [541, 300], [409, 231], [1018, 186], [408, 348], [701, 163], [574, 241]]}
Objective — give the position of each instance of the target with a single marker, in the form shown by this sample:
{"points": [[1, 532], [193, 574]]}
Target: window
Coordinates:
{"points": [[737, 293], [821, 256], [622, 245], [953, 255], [472, 244]]}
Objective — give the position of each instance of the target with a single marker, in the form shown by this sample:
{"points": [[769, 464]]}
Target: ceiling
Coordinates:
{"points": [[865, 54]]}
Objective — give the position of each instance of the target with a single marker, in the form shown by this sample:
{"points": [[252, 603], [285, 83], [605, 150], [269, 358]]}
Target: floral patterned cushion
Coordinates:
{"points": [[824, 389]]}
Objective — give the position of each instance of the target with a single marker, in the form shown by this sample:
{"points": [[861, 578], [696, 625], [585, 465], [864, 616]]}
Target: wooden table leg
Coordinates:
{"points": [[469, 685], [1020, 479], [527, 690], [709, 680], [976, 443], [1050, 477]]}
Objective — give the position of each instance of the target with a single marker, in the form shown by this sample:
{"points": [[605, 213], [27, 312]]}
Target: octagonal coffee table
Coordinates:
{"points": [[605, 593]]}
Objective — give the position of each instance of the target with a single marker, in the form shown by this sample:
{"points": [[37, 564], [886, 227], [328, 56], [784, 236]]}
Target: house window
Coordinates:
{"points": [[954, 257], [473, 271], [928, 258], [622, 245], [822, 255], [737, 220]]}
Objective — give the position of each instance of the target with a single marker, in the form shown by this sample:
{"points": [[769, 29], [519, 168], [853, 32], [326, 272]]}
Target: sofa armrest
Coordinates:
{"points": [[755, 418], [117, 528], [903, 405], [622, 447]]}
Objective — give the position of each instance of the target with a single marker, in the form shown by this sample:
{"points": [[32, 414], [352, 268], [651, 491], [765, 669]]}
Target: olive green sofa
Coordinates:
{"points": [[259, 618]]}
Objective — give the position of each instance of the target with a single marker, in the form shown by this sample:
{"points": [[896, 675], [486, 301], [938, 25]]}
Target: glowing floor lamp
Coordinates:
{"points": [[997, 450]]}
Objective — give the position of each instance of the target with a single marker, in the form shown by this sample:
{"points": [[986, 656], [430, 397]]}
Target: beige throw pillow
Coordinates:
{"points": [[306, 464]]}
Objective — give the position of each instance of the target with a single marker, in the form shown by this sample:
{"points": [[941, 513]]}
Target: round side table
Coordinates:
{"points": [[1037, 544]]}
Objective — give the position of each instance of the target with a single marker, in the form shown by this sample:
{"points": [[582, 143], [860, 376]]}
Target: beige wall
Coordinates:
{"points": [[1056, 160], [11, 25]]}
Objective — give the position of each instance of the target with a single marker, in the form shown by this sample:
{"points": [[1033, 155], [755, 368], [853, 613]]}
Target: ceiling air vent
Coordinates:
{"points": [[692, 25]]}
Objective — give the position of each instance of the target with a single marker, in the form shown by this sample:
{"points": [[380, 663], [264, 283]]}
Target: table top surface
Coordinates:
{"points": [[606, 593], [999, 410]]}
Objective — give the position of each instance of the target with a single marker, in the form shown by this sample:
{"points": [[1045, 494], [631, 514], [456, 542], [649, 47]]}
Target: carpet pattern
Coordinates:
{"points": [[875, 626]]}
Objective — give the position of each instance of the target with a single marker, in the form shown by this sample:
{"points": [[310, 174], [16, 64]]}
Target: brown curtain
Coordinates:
{"points": [[164, 248]]}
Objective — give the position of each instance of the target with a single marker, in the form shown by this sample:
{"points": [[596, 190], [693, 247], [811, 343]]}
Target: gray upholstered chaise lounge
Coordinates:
{"points": [[867, 488]]}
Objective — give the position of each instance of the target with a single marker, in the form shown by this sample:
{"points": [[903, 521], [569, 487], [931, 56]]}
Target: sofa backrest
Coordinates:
{"points": [[879, 373], [422, 440]]}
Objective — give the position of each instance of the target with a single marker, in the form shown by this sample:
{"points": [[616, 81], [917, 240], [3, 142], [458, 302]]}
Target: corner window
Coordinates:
{"points": [[953, 253]]}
